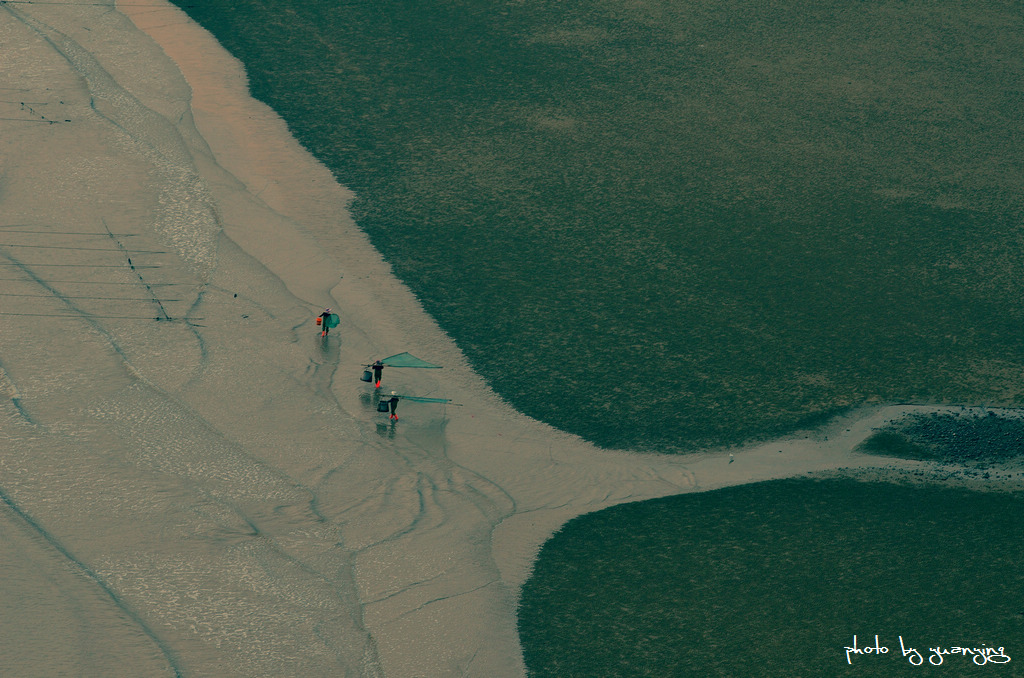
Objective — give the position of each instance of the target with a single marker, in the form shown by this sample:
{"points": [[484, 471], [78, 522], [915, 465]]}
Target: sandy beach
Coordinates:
{"points": [[193, 482]]}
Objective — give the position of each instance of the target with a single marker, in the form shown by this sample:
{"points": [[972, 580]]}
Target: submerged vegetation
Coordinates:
{"points": [[715, 221], [959, 438], [775, 579]]}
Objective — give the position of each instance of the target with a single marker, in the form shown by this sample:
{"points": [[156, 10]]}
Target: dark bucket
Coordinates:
{"points": [[366, 376], [382, 406]]}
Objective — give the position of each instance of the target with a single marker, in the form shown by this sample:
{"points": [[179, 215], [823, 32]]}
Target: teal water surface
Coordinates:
{"points": [[775, 579]]}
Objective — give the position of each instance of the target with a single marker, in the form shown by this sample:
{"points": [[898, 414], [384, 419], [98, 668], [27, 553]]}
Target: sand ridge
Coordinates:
{"points": [[219, 478]]}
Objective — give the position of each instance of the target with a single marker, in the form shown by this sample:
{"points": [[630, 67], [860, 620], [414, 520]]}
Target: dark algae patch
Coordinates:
{"points": [[952, 438], [775, 579], [712, 221]]}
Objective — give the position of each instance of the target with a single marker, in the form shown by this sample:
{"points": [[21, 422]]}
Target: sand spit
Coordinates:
{"points": [[192, 482]]}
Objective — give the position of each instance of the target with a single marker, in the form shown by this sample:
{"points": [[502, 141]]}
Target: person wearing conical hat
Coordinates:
{"points": [[393, 404]]}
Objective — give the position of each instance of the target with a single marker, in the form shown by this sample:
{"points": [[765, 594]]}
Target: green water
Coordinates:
{"points": [[775, 579], [713, 222]]}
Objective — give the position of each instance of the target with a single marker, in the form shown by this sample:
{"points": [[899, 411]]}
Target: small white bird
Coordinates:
{"points": [[731, 460]]}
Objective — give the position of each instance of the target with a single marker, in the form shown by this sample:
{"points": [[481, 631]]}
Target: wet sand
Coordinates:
{"points": [[193, 482]]}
